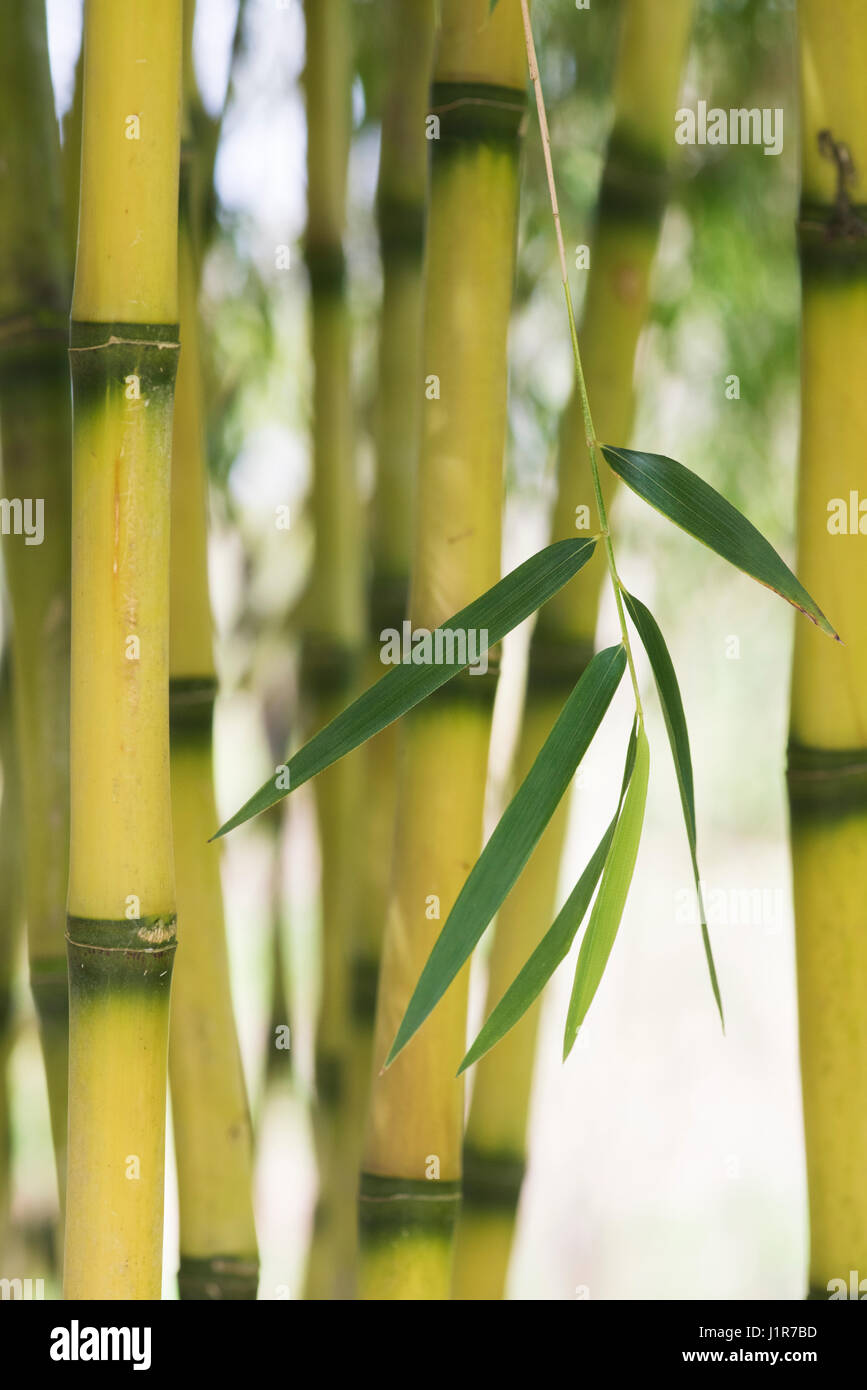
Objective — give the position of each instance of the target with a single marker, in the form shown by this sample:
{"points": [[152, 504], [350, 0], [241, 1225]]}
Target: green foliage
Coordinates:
{"points": [[554, 946], [497, 612], [516, 836], [613, 890], [697, 508], [675, 722]]}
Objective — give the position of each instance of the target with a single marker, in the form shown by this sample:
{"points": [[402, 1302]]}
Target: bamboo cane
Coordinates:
{"points": [[828, 728], [213, 1140], [401, 204], [632, 198], [335, 625], [34, 433], [121, 925], [412, 1162], [11, 921]]}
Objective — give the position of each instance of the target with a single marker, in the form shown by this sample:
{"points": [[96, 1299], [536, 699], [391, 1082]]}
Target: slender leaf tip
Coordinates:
{"points": [[616, 881], [689, 502]]}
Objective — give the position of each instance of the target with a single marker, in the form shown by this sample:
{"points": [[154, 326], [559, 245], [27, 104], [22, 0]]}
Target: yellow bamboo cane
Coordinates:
{"points": [[828, 726], [410, 1183], [213, 1140], [121, 905]]}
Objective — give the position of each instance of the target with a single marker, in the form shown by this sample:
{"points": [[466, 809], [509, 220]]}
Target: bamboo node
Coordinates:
{"points": [[844, 220], [114, 341]]}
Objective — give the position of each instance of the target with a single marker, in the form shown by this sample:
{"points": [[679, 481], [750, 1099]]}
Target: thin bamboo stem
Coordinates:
{"points": [[589, 432], [334, 620], [213, 1139], [34, 432], [401, 209]]}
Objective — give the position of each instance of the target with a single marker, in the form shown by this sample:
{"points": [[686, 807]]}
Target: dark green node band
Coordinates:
{"points": [[49, 986], [328, 667], [363, 987], [31, 342], [329, 1078], [191, 703], [492, 1181], [7, 1011], [556, 665], [326, 267], [832, 241], [107, 956], [152, 933], [112, 352], [477, 112], [219, 1277], [636, 185], [83, 334], [389, 597], [826, 784], [390, 1204], [401, 227]]}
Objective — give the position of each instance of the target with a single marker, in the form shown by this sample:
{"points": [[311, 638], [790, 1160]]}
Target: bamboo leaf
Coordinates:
{"points": [[499, 610], [515, 837], [678, 736], [611, 898], [554, 946], [699, 509], [662, 667]]}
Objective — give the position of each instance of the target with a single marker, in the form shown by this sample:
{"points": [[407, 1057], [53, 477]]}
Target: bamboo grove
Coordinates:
{"points": [[139, 337]]}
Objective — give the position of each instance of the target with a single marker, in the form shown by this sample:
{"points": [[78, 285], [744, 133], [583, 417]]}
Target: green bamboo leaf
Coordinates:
{"points": [[697, 508], [504, 856], [499, 610], [611, 898], [675, 722], [554, 946]]}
